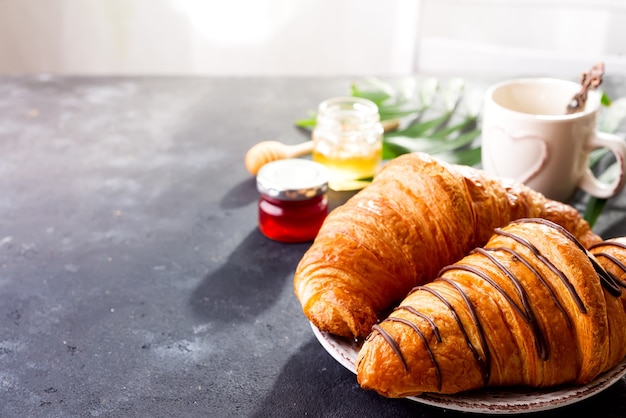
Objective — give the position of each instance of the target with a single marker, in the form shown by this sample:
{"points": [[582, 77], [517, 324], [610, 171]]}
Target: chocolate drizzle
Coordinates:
{"points": [[432, 324], [428, 350], [527, 314], [549, 264], [610, 283], [619, 264], [608, 243], [394, 346], [540, 277], [392, 343], [482, 353], [484, 362], [553, 225]]}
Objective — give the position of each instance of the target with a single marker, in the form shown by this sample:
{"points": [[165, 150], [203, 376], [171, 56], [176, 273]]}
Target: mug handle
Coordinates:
{"points": [[590, 183]]}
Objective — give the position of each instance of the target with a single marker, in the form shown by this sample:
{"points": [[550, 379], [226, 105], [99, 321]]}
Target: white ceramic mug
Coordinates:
{"points": [[527, 136]]}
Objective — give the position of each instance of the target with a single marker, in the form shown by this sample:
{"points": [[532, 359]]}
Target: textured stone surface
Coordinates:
{"points": [[133, 278]]}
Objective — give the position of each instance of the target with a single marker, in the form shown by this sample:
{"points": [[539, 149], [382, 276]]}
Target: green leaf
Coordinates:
{"points": [[306, 123], [593, 210], [373, 89], [419, 128], [452, 94], [401, 145], [461, 126], [596, 155], [456, 143], [375, 96], [396, 146], [414, 144], [391, 151], [613, 116], [395, 112], [466, 156], [595, 205], [472, 102], [428, 92]]}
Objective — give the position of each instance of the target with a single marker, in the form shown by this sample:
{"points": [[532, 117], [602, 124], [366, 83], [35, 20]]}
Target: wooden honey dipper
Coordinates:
{"points": [[268, 151]]}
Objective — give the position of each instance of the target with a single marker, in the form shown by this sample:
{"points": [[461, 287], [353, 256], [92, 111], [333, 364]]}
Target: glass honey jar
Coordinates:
{"points": [[347, 139]]}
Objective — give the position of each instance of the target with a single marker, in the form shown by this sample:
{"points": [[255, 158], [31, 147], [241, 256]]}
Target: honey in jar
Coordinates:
{"points": [[347, 139]]}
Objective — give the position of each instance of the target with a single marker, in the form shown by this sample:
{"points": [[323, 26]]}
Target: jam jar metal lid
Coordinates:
{"points": [[292, 179]]}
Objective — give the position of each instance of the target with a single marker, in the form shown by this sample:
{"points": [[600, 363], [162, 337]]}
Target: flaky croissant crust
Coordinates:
{"points": [[418, 215], [532, 307]]}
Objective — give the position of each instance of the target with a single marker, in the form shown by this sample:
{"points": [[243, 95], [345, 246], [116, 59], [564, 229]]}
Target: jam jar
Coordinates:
{"points": [[293, 202], [347, 139]]}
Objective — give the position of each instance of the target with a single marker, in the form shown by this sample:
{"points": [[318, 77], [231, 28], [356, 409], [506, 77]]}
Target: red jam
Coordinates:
{"points": [[293, 202], [292, 221]]}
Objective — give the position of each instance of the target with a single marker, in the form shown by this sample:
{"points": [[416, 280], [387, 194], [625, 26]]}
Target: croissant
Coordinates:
{"points": [[418, 215], [533, 307]]}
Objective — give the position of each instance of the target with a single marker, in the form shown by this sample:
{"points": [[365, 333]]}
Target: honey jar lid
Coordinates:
{"points": [[292, 179]]}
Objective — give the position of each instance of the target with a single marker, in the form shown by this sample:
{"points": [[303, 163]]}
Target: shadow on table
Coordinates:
{"points": [[253, 276], [248, 282], [312, 383], [243, 194]]}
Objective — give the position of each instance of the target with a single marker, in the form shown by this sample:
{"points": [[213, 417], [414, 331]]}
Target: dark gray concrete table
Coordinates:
{"points": [[133, 278]]}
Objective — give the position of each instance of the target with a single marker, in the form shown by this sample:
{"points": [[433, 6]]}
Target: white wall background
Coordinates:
{"points": [[238, 37], [522, 37], [311, 37]]}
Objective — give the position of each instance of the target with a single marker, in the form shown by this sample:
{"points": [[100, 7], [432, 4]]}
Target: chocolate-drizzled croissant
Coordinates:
{"points": [[418, 215], [532, 307]]}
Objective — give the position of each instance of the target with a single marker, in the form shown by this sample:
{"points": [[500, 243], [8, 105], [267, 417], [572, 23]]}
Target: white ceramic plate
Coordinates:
{"points": [[492, 401]]}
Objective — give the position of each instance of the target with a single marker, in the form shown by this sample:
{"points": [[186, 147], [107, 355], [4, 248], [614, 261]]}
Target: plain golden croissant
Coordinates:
{"points": [[418, 215], [533, 307]]}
